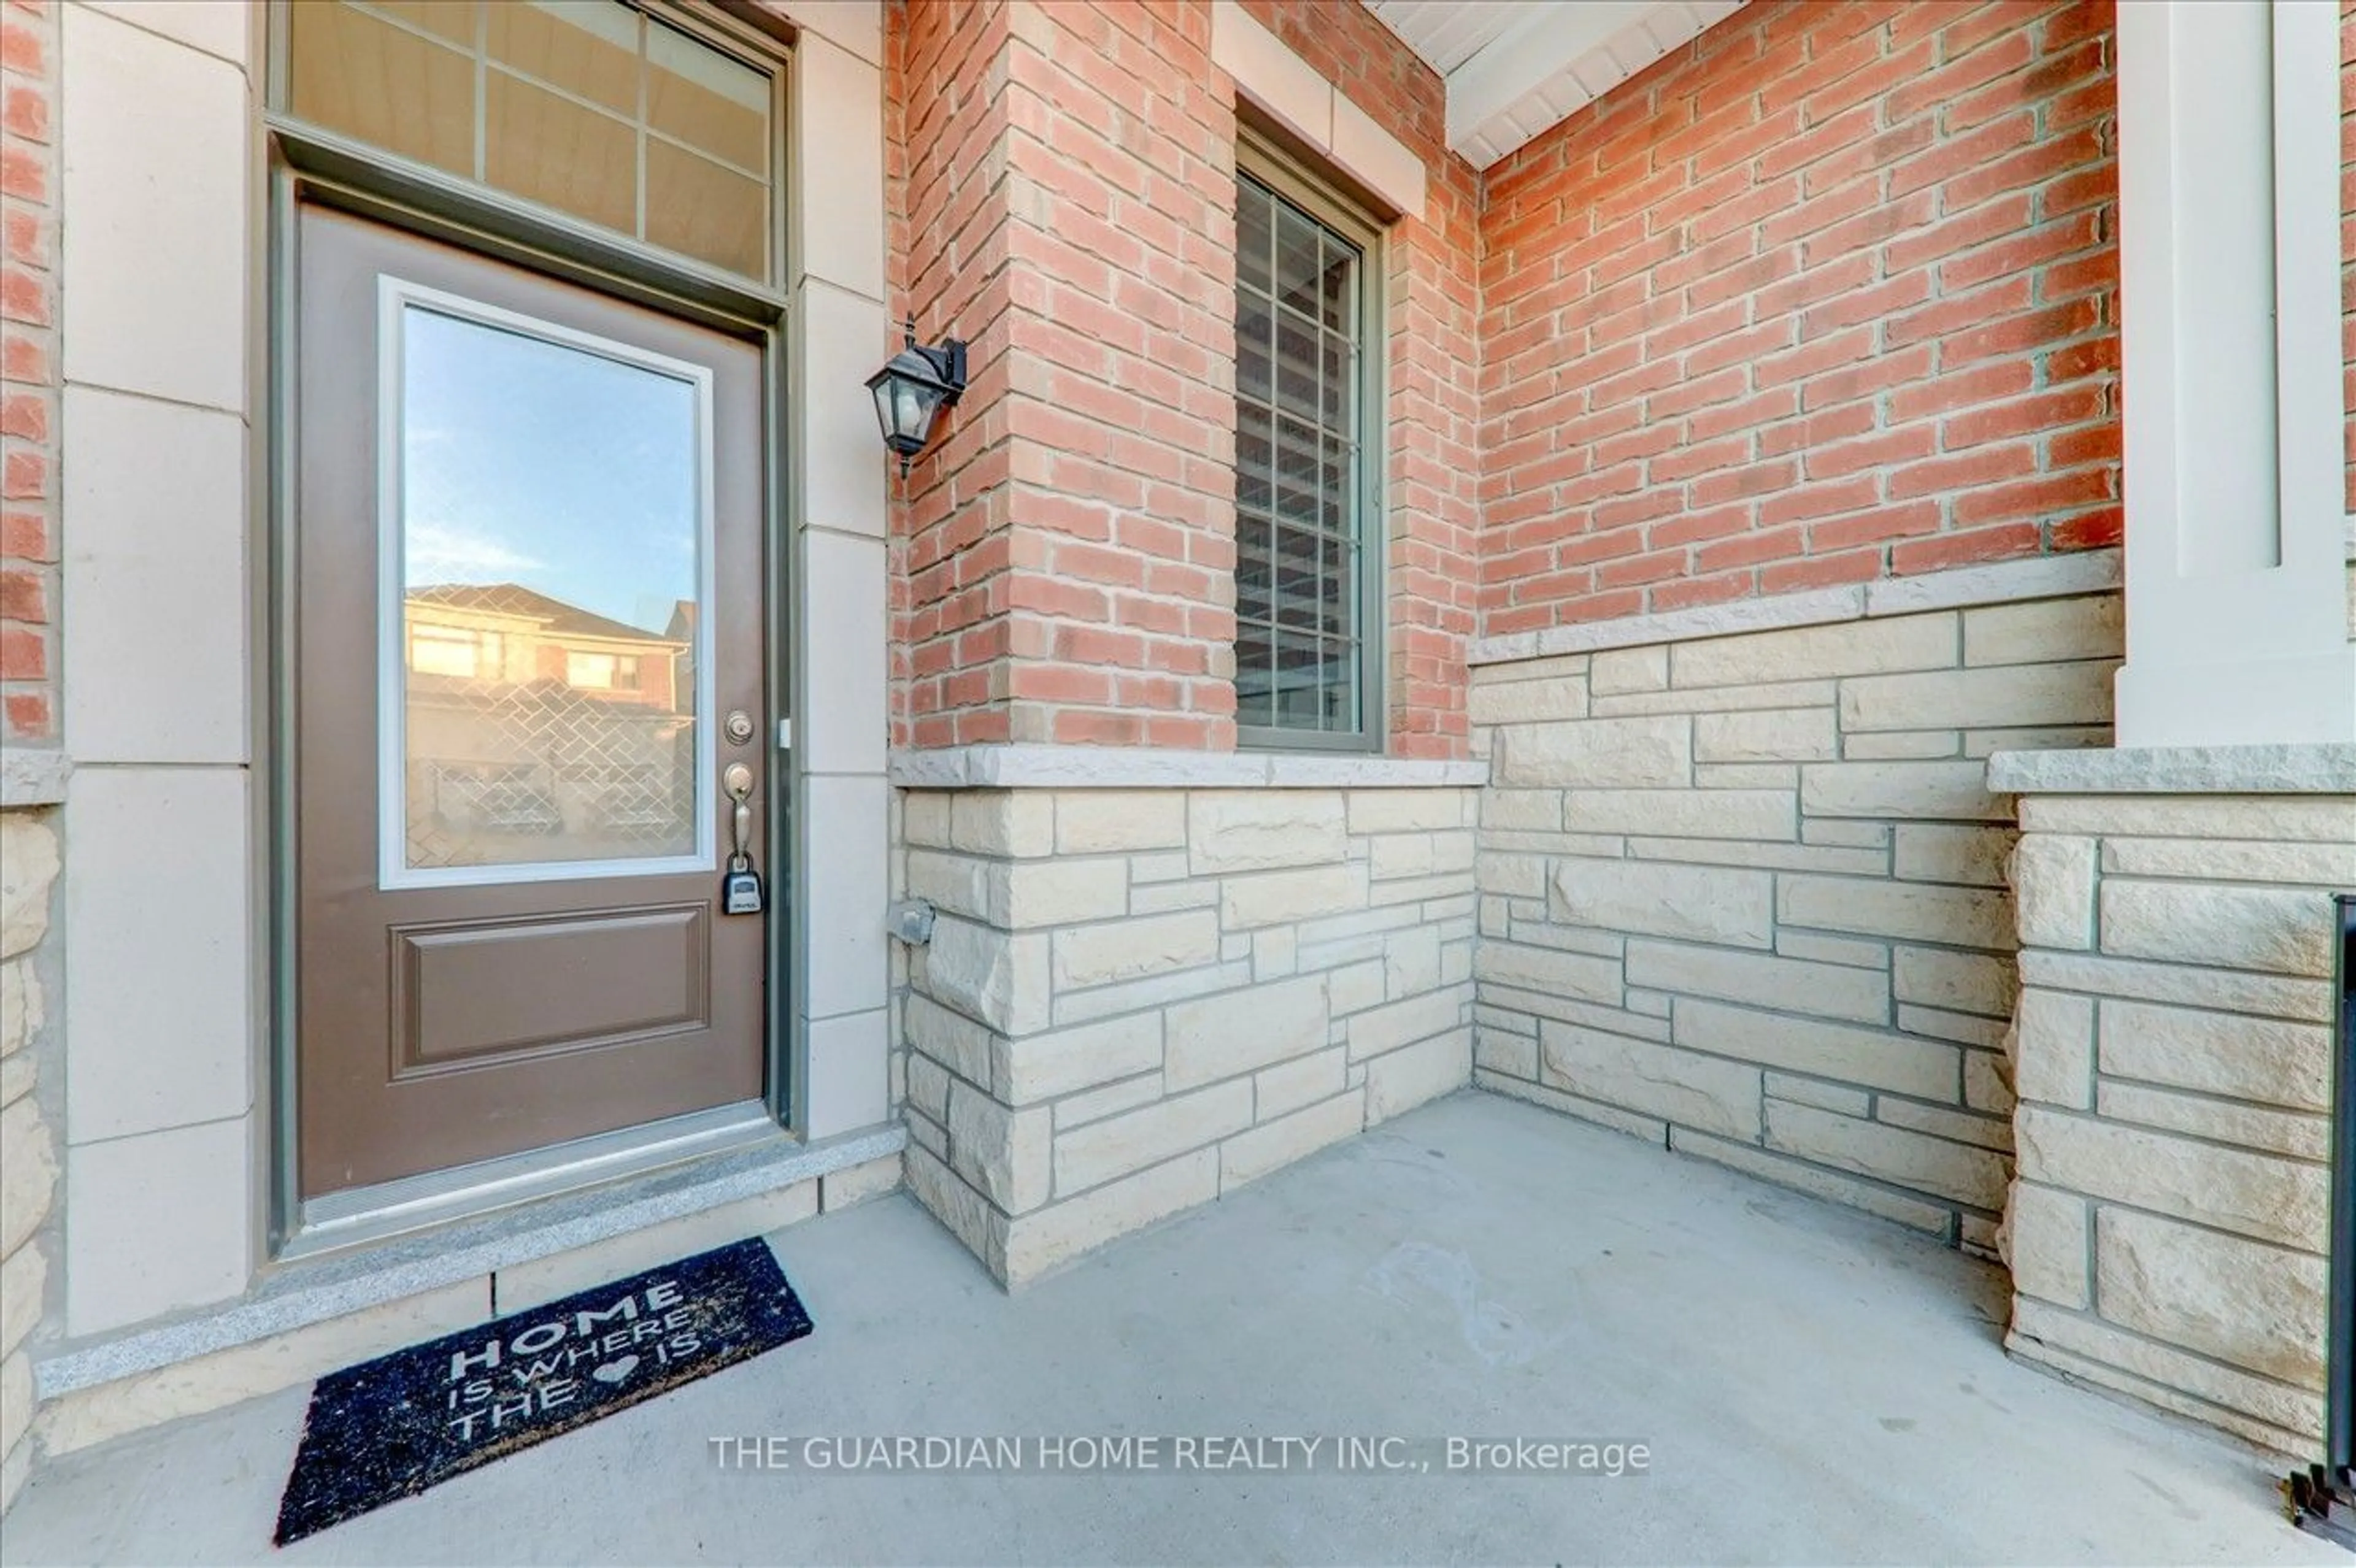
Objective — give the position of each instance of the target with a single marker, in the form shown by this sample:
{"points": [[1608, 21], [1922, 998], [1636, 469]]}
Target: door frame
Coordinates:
{"points": [[303, 163]]}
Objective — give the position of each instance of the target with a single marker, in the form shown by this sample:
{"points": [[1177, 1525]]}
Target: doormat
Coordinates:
{"points": [[390, 1428]]}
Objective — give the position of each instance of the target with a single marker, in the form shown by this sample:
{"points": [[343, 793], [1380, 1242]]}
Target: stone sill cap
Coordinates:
{"points": [[1957, 588], [2324, 768], [1020, 766], [337, 1285]]}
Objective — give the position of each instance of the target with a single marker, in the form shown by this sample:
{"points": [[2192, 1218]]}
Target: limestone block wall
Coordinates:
{"points": [[28, 1165], [1135, 1000], [1745, 894], [2166, 1234]]}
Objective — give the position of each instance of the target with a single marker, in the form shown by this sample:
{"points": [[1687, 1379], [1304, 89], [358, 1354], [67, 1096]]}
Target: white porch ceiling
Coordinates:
{"points": [[1516, 67]]}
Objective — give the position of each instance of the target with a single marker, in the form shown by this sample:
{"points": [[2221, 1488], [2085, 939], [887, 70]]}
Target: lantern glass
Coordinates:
{"points": [[908, 396], [912, 411]]}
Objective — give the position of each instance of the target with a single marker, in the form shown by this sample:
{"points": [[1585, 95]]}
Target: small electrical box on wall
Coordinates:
{"points": [[911, 921]]}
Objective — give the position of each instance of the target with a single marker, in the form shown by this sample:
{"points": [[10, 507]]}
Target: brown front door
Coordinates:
{"points": [[529, 562]]}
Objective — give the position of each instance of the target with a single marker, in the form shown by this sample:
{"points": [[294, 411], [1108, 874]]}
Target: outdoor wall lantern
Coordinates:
{"points": [[911, 391]]}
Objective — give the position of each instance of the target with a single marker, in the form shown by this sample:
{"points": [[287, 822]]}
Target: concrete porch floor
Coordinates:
{"points": [[1814, 1386]]}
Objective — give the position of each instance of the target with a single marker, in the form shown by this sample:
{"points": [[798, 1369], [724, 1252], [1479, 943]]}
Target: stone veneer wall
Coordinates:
{"points": [[29, 660], [1134, 1000], [29, 1171], [2167, 1232], [1745, 894]]}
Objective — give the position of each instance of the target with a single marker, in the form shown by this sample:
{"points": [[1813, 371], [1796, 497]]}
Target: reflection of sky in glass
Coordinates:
{"points": [[526, 461]]}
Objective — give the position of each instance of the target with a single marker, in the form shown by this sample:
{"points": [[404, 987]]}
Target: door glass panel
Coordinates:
{"points": [[549, 535]]}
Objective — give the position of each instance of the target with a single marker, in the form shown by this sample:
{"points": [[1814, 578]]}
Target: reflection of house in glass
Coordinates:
{"points": [[539, 730]]}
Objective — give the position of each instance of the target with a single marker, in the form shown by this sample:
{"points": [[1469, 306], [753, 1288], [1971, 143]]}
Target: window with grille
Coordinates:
{"points": [[1306, 561]]}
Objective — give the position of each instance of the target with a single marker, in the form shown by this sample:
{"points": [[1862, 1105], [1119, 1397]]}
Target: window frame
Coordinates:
{"points": [[1261, 158]]}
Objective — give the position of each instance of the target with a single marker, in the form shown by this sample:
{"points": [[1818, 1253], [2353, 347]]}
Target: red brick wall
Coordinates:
{"points": [[1066, 554], [1827, 296], [1433, 315], [1120, 176], [952, 546], [29, 405], [1063, 193]]}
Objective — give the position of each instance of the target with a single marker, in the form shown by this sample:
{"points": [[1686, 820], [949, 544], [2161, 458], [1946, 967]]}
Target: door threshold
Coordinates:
{"points": [[360, 1216], [320, 1289]]}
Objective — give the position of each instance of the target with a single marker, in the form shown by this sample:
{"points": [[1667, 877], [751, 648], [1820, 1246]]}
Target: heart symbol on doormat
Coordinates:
{"points": [[615, 1372]]}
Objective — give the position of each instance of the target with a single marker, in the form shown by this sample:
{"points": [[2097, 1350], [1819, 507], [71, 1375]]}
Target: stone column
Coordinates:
{"points": [[2229, 217], [2172, 1059], [2170, 1053], [839, 1073]]}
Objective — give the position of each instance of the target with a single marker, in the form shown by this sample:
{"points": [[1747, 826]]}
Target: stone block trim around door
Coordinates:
{"points": [[1745, 894], [1135, 1000], [2172, 1054]]}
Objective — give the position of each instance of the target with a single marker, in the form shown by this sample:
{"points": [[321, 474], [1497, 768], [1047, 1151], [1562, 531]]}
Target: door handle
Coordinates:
{"points": [[740, 889], [737, 780]]}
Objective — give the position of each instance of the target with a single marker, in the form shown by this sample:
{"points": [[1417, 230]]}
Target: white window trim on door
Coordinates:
{"points": [[394, 296]]}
